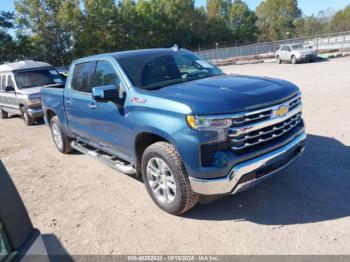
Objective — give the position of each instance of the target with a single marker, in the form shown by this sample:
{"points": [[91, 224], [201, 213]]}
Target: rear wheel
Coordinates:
{"points": [[27, 119], [3, 114], [166, 179], [294, 60], [62, 142]]}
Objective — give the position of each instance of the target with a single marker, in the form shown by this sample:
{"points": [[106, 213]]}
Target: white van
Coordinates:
{"points": [[20, 84]]}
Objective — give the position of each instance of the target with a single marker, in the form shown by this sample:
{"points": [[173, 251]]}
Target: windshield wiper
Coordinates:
{"points": [[163, 85]]}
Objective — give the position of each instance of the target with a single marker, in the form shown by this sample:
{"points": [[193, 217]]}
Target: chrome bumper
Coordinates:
{"points": [[231, 183], [35, 112]]}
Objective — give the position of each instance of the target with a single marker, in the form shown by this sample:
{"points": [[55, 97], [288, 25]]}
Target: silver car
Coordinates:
{"points": [[20, 85], [296, 53]]}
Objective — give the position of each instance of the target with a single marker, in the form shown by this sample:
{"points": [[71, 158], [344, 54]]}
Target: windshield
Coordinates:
{"points": [[154, 71], [37, 77], [299, 46]]}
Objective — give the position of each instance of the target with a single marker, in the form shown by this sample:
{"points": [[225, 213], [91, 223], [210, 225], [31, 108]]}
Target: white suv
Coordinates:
{"points": [[296, 53]]}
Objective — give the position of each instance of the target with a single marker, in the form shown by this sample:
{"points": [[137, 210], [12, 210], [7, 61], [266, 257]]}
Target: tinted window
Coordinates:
{"points": [[3, 82], [298, 46], [40, 77], [105, 75], [83, 76], [157, 70], [10, 81]]}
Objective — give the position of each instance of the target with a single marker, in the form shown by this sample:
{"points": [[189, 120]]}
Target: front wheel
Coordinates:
{"points": [[62, 142], [3, 114], [294, 60], [166, 179], [27, 119]]}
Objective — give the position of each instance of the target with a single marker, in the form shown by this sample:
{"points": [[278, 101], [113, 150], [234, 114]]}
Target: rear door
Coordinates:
{"points": [[287, 52], [78, 100]]}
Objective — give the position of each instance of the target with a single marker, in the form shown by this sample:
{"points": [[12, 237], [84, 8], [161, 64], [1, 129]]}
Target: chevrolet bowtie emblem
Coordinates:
{"points": [[282, 111]]}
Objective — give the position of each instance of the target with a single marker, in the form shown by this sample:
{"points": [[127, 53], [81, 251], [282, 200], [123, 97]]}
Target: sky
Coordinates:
{"points": [[309, 7]]}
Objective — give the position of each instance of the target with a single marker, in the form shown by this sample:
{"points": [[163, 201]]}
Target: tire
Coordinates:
{"points": [[180, 197], [27, 119], [62, 142], [279, 61], [294, 60], [3, 114]]}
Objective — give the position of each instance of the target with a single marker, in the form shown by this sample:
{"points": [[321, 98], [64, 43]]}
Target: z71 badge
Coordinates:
{"points": [[138, 100]]}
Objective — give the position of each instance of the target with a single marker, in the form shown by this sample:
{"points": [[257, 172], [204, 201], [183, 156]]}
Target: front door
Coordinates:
{"points": [[102, 124], [109, 124]]}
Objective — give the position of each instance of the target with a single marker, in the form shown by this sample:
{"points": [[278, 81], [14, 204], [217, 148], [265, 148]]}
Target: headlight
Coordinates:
{"points": [[206, 122], [34, 96]]}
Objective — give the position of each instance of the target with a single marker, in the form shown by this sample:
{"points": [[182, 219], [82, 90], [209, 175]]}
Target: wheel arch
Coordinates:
{"points": [[143, 140], [50, 113]]}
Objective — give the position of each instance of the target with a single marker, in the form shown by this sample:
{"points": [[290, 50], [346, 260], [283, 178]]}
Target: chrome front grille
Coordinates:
{"points": [[268, 133], [257, 127], [263, 114]]}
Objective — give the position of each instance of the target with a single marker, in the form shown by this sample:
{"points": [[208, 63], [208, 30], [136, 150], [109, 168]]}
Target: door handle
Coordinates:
{"points": [[68, 102], [92, 106]]}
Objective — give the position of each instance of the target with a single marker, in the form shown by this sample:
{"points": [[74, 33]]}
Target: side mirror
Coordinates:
{"points": [[105, 93], [9, 89]]}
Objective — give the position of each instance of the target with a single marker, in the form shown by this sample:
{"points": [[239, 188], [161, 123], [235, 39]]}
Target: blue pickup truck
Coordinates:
{"points": [[193, 133]]}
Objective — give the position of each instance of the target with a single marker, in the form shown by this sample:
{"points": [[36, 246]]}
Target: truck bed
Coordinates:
{"points": [[52, 98]]}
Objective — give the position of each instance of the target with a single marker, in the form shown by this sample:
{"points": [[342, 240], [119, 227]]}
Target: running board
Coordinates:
{"points": [[109, 160]]}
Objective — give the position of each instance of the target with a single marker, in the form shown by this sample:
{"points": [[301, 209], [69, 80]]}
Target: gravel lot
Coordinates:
{"points": [[84, 207]]}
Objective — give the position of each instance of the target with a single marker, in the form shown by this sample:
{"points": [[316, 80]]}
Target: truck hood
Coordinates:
{"points": [[30, 91], [228, 94]]}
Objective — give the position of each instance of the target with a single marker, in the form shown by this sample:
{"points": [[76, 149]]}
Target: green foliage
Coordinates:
{"points": [[341, 20], [309, 26], [98, 32], [242, 22], [218, 8], [276, 18], [6, 42], [51, 25], [59, 31]]}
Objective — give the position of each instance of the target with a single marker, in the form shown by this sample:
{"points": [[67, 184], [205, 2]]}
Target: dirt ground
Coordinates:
{"points": [[84, 207]]}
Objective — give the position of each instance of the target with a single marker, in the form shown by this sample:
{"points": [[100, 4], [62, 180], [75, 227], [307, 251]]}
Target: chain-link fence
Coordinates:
{"points": [[321, 42]]}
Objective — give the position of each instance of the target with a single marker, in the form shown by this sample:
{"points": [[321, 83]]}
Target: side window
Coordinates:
{"points": [[83, 76], [106, 75], [3, 82], [10, 81]]}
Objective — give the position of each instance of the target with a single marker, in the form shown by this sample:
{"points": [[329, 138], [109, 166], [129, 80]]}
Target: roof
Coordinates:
{"points": [[27, 64], [132, 53], [124, 54]]}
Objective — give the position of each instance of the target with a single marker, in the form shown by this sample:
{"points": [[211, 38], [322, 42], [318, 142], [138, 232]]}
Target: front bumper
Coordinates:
{"points": [[35, 112], [306, 58], [247, 174]]}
